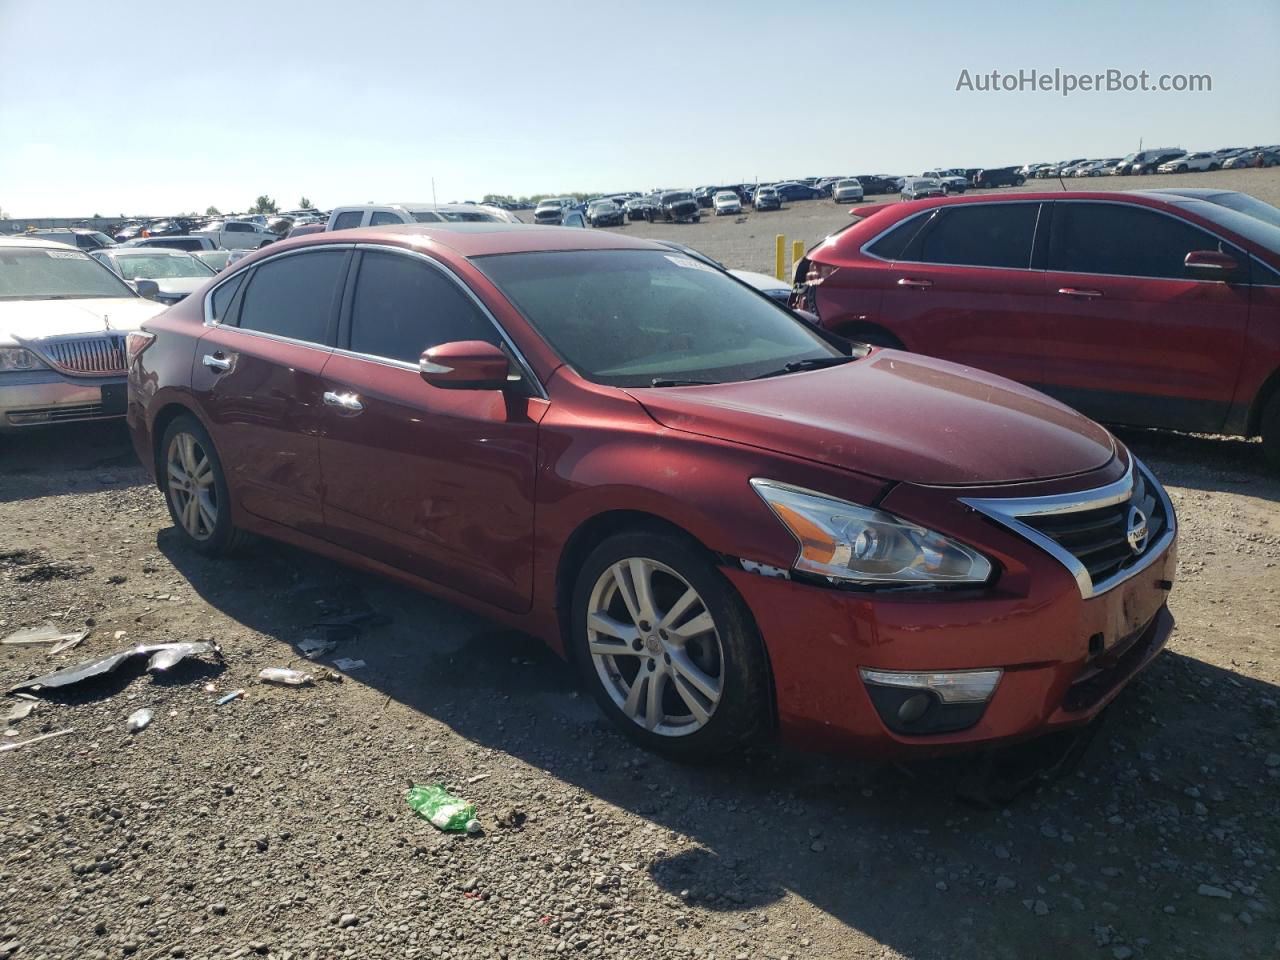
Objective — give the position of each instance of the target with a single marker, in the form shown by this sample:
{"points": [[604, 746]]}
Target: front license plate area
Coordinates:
{"points": [[113, 399]]}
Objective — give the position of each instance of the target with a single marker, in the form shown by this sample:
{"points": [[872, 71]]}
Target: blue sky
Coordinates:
{"points": [[154, 106]]}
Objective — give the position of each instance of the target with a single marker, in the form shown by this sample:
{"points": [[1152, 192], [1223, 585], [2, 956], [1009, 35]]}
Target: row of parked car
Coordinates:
{"points": [[1158, 160]]}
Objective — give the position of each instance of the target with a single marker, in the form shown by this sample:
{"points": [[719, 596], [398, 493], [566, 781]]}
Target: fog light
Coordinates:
{"points": [[932, 702], [958, 686], [913, 708]]}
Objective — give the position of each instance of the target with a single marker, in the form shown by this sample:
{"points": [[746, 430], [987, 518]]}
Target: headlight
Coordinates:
{"points": [[848, 542], [18, 360]]}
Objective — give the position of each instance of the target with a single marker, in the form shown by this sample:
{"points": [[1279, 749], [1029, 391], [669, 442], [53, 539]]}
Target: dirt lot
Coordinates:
{"points": [[749, 245], [275, 824]]}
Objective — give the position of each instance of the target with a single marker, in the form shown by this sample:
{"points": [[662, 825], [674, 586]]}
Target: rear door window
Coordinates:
{"points": [[347, 219], [1124, 240], [403, 306], [978, 235], [295, 296], [381, 218], [223, 294]]}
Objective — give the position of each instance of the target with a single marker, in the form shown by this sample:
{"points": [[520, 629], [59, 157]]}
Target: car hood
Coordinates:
{"points": [[761, 281], [897, 416], [33, 319]]}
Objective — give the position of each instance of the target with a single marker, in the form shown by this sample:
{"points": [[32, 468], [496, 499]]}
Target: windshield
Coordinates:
{"points": [[55, 275], [628, 317], [1245, 215], [468, 216], [766, 191], [161, 267], [677, 197]]}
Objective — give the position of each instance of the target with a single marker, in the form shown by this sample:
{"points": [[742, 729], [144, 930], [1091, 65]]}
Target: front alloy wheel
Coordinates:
{"points": [[667, 645], [655, 647]]}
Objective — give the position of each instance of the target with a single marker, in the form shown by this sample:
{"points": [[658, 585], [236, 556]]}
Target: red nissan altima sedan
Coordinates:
{"points": [[726, 518]]}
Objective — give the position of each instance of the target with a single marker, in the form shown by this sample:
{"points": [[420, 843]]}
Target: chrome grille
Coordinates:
{"points": [[1088, 532], [86, 356]]}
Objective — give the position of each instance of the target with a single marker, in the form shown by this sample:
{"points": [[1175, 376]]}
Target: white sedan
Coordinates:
{"points": [[847, 191], [726, 201]]}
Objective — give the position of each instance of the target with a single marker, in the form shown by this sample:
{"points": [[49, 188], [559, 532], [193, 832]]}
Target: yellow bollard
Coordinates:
{"points": [[779, 257], [797, 254]]}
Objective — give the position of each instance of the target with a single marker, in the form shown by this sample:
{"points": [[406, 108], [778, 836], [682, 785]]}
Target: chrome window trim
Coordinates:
{"points": [[1009, 511], [209, 321], [530, 377]]}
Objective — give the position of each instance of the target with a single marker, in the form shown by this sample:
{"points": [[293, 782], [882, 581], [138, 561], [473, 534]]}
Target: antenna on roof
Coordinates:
{"points": [[433, 192]]}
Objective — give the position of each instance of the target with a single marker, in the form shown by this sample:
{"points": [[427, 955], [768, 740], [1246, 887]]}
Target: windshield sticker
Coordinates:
{"points": [[690, 264], [66, 255]]}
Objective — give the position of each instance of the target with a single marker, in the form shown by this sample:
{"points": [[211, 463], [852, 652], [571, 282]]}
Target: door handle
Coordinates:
{"points": [[346, 402], [1079, 292], [915, 284], [216, 361]]}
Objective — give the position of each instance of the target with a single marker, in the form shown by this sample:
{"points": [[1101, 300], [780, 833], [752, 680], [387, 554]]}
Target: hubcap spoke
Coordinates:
{"points": [[684, 668], [631, 707], [204, 473], [679, 609], [700, 624], [690, 699], [191, 486], [653, 702]]}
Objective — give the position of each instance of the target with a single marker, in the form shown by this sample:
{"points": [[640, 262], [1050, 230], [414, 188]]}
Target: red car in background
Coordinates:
{"points": [[727, 519], [1148, 308]]}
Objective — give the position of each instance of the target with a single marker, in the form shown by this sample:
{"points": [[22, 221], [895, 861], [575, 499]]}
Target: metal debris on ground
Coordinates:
{"points": [[44, 634], [163, 656], [324, 673], [19, 711], [6, 747], [347, 664], [285, 676], [69, 642], [227, 698], [315, 647], [138, 720]]}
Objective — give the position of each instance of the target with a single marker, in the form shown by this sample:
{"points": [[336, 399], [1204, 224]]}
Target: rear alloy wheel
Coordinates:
{"points": [[668, 647], [195, 488]]}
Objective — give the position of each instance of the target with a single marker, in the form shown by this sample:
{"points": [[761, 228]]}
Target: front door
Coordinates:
{"points": [[257, 378], [1128, 338], [963, 289], [436, 482]]}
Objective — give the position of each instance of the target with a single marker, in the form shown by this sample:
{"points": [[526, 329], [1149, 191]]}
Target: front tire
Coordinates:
{"points": [[195, 488], [667, 646], [1271, 431]]}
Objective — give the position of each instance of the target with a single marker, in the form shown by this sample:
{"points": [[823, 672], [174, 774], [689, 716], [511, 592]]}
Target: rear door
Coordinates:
{"points": [[1128, 338], [436, 482], [961, 287], [257, 377], [239, 236]]}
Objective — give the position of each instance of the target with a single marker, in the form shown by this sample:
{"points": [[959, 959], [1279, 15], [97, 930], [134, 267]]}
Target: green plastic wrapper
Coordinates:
{"points": [[443, 809]]}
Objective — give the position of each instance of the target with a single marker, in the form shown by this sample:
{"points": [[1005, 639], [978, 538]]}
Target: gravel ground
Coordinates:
{"points": [[747, 242], [276, 824]]}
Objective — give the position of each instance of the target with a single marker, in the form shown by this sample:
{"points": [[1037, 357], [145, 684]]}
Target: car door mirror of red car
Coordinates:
{"points": [[465, 365], [1211, 265]]}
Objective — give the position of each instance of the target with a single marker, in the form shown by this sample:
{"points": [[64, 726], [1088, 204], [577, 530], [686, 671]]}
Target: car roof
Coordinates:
{"points": [[33, 242], [476, 239]]}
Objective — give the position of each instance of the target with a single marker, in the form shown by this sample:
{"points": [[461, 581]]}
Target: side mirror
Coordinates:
{"points": [[810, 318], [147, 288], [465, 365], [1210, 265]]}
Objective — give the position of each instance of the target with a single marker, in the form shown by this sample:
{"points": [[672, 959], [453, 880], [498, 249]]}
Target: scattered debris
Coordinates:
{"points": [[443, 809], [6, 747], [314, 647], [324, 673], [39, 636], [233, 695], [163, 656], [19, 711], [138, 720], [285, 676], [346, 664], [511, 818], [361, 616], [69, 642]]}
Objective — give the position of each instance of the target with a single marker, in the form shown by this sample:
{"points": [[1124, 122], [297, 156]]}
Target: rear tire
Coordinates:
{"points": [[690, 632], [1271, 431], [195, 488]]}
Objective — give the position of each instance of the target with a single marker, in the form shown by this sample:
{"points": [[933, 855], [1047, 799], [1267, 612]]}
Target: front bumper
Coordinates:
{"points": [[42, 397], [1063, 657]]}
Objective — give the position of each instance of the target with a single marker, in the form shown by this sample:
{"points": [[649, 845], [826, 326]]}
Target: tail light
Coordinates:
{"points": [[819, 271], [135, 343]]}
